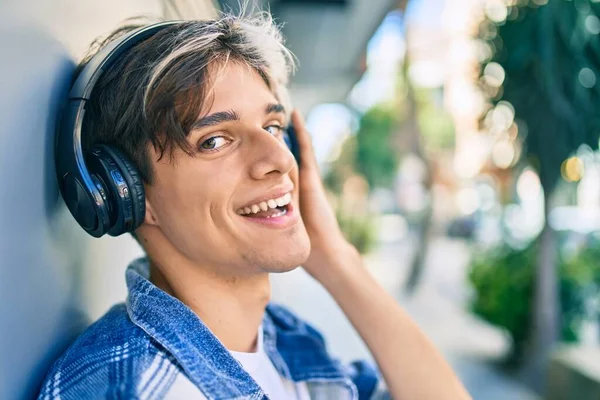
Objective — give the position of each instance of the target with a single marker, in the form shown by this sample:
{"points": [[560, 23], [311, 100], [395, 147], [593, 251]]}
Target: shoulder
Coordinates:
{"points": [[295, 334], [300, 335], [109, 357], [285, 320]]}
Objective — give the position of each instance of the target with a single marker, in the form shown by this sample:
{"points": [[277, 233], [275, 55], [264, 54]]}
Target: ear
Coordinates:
{"points": [[150, 218]]}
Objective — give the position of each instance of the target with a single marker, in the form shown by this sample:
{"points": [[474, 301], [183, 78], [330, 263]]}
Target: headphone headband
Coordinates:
{"points": [[87, 78], [84, 193]]}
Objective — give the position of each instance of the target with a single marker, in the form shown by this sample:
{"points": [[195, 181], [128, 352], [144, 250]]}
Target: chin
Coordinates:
{"points": [[281, 259], [282, 269]]}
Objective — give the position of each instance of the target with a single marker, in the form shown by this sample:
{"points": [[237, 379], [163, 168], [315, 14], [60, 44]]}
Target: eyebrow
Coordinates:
{"points": [[216, 119], [230, 115], [275, 108]]}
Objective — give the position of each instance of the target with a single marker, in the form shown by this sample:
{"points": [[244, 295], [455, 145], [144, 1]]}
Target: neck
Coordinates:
{"points": [[232, 307]]}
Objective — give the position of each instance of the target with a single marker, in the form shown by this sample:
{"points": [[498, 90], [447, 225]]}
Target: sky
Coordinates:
{"points": [[425, 12], [385, 51]]}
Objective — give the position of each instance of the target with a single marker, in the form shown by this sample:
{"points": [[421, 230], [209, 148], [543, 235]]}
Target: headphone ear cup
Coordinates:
{"points": [[291, 140], [124, 190], [135, 187], [92, 214]]}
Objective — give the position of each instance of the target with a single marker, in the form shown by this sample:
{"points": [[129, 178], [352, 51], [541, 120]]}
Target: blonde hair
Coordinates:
{"points": [[255, 41]]}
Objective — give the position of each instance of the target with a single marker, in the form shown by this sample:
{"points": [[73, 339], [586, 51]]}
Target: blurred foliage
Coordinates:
{"points": [[436, 126], [551, 58], [370, 152], [342, 168], [358, 230], [589, 255], [376, 155], [503, 280]]}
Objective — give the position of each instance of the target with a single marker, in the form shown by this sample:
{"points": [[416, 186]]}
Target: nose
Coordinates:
{"points": [[270, 156]]}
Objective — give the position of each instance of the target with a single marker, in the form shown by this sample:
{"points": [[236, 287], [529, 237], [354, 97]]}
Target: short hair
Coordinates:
{"points": [[155, 91]]}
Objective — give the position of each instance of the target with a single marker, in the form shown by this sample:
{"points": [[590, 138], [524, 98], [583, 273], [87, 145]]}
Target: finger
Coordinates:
{"points": [[307, 154]]}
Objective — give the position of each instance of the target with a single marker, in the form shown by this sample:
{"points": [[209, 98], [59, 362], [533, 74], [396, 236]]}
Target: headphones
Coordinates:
{"points": [[101, 187]]}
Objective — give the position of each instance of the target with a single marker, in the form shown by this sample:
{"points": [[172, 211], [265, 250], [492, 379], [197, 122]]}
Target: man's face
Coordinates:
{"points": [[205, 205]]}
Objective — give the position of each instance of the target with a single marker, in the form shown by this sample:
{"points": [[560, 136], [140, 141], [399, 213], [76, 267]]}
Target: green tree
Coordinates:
{"points": [[342, 168], [369, 153], [502, 279], [426, 129], [376, 155], [436, 126], [551, 57]]}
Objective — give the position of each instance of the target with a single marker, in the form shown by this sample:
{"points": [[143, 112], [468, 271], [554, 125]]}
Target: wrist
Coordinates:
{"points": [[343, 262]]}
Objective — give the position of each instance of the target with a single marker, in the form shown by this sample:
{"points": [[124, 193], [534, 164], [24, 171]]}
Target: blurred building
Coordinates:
{"points": [[329, 39], [444, 58]]}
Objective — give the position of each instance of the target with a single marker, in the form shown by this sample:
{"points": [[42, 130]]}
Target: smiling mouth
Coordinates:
{"points": [[270, 213], [272, 208]]}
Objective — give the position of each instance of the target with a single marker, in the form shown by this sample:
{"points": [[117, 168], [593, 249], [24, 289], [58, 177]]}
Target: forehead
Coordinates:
{"points": [[237, 87]]}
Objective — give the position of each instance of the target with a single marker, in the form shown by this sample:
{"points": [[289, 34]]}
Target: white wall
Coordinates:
{"points": [[53, 278]]}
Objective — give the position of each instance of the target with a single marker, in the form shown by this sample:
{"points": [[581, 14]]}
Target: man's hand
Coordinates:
{"points": [[327, 241]]}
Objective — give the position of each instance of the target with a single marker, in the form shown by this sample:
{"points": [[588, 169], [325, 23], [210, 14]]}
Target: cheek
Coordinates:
{"points": [[295, 178], [294, 173], [196, 201], [171, 195], [175, 207], [190, 218], [195, 198]]}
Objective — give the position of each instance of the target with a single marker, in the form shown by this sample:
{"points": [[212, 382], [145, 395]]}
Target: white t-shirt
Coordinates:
{"points": [[261, 369]]}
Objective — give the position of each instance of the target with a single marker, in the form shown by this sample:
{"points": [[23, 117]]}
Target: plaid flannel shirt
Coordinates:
{"points": [[153, 345]]}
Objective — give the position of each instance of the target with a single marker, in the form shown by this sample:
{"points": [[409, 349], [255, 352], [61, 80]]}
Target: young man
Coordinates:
{"points": [[200, 109]]}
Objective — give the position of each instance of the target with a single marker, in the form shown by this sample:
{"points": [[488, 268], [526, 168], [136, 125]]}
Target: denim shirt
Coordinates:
{"points": [[137, 350]]}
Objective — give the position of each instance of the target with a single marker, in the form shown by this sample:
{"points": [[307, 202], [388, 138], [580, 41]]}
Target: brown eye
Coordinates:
{"points": [[210, 143], [214, 143]]}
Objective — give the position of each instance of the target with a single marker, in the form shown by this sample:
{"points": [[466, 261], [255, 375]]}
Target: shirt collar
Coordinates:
{"points": [[297, 350], [178, 329]]}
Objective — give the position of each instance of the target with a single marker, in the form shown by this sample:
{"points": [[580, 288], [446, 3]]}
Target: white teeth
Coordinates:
{"points": [[265, 205], [279, 214]]}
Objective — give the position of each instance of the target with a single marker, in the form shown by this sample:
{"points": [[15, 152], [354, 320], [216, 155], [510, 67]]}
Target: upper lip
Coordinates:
{"points": [[272, 194]]}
